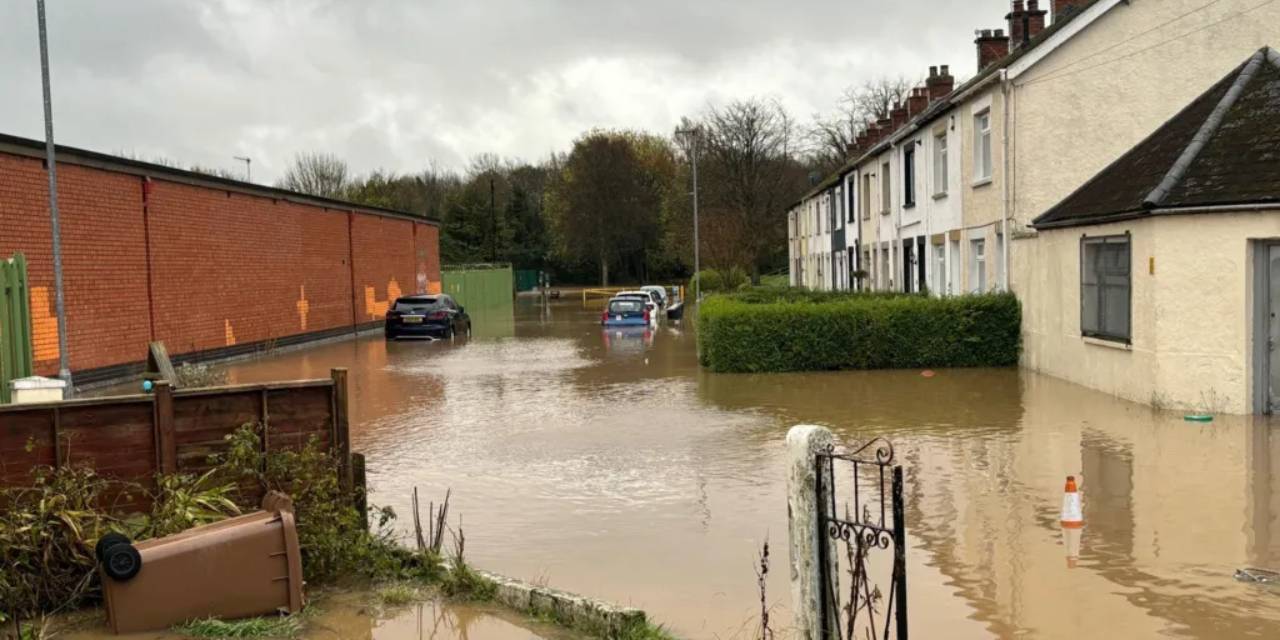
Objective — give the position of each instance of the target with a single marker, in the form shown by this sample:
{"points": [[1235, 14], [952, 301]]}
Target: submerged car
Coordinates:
{"points": [[658, 292], [626, 312], [427, 316], [651, 300]]}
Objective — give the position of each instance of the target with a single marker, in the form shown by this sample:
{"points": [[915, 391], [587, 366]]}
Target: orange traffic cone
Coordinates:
{"points": [[1072, 510]]}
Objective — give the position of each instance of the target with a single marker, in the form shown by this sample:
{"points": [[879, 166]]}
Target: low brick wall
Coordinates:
{"points": [[599, 618]]}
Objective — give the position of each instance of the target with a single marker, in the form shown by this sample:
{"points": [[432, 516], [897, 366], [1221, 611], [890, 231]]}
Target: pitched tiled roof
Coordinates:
{"points": [[944, 104], [1222, 149]]}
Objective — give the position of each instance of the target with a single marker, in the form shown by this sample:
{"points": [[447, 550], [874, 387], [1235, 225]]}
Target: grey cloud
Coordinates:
{"points": [[397, 83]]}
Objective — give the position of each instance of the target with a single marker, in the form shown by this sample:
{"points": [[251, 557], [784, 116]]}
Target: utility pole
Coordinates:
{"points": [[693, 135], [493, 225], [51, 163], [248, 175]]}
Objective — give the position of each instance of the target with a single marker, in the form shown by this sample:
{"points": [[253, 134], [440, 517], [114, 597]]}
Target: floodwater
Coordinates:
{"points": [[614, 467], [357, 616]]}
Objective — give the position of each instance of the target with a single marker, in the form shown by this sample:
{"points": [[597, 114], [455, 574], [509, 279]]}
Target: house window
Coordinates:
{"points": [[982, 146], [866, 196], [940, 164], [978, 266], [886, 202], [849, 201], [837, 204], [939, 269], [1105, 279], [909, 175]]}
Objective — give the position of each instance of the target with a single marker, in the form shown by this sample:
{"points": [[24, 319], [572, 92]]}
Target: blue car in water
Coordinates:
{"points": [[625, 312]]}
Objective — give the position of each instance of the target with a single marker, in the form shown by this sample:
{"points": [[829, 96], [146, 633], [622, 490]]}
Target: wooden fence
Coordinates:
{"points": [[134, 438]]}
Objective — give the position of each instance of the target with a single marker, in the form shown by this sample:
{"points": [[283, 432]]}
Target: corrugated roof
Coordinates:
{"points": [[1222, 149]]}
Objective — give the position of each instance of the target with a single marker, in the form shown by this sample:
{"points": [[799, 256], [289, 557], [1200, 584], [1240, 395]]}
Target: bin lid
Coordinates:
{"points": [[37, 382]]}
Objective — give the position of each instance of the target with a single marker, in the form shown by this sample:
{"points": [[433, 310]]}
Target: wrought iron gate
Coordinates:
{"points": [[850, 532]]}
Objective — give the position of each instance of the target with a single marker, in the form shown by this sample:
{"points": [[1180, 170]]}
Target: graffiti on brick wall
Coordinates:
{"points": [[435, 287], [230, 335], [44, 325], [376, 309], [304, 307]]}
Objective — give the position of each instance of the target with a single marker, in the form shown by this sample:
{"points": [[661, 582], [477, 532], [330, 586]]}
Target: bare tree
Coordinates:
{"points": [[318, 174], [751, 175], [831, 135]]}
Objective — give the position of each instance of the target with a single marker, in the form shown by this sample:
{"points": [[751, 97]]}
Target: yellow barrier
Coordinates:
{"points": [[609, 292]]}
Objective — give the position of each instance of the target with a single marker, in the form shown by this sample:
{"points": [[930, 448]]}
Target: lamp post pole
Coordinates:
{"points": [[64, 367], [693, 135]]}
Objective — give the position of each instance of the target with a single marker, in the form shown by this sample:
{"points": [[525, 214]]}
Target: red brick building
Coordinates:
{"points": [[207, 265]]}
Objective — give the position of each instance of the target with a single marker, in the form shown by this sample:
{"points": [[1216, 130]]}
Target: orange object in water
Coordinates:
{"points": [[928, 373], [1072, 509]]}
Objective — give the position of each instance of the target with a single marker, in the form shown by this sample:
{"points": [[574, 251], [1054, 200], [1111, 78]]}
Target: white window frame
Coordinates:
{"points": [[940, 168], [982, 159], [886, 187], [978, 265]]}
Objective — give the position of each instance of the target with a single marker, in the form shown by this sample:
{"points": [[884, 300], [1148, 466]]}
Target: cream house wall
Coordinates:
{"points": [[1106, 89], [1191, 313], [982, 198]]}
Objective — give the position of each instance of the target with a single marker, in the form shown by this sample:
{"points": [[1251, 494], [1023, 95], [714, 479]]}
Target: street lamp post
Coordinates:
{"points": [[59, 303], [248, 175], [692, 135]]}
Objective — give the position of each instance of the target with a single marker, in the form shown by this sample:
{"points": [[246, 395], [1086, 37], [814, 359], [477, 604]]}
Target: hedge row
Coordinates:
{"points": [[760, 333]]}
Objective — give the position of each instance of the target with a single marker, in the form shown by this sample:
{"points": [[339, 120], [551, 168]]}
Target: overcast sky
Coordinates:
{"points": [[400, 83]]}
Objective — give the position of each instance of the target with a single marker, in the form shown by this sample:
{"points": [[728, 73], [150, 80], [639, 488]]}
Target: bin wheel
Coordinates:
{"points": [[107, 541], [121, 562]]}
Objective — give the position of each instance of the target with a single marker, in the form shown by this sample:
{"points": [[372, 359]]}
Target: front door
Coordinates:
{"points": [[1273, 328]]}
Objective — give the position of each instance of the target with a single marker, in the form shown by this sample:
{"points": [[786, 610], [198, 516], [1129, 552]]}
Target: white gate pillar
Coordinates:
{"points": [[804, 443]]}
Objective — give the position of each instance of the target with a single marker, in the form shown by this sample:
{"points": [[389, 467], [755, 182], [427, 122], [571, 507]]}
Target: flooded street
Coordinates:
{"points": [[614, 467]]}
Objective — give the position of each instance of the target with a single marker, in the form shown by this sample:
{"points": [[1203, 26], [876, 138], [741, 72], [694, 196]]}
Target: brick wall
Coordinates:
{"points": [[224, 267]]}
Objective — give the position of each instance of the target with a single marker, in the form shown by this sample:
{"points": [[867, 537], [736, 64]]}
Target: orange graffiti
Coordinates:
{"points": [[434, 287], [375, 308], [304, 307], [44, 326], [230, 335]]}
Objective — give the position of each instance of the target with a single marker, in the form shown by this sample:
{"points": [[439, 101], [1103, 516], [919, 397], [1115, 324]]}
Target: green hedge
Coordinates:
{"points": [[755, 332]]}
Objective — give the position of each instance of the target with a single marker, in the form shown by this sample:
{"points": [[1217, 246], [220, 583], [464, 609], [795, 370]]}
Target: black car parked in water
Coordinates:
{"points": [[427, 316]]}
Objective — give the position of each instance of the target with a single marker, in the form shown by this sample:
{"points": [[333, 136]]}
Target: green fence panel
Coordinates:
{"points": [[526, 279], [15, 324], [480, 286]]}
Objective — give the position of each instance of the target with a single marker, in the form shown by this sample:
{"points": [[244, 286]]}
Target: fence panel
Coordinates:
{"points": [[479, 286], [132, 438], [15, 324]]}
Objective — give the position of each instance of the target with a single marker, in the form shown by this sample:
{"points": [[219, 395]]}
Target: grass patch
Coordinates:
{"points": [[464, 583], [399, 594], [281, 627]]}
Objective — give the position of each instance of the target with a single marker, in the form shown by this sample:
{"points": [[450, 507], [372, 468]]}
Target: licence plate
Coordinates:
{"points": [[412, 319], [618, 318]]}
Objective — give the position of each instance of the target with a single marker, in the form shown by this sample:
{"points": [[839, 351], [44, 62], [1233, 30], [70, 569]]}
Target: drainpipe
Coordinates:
{"points": [[1006, 90]]}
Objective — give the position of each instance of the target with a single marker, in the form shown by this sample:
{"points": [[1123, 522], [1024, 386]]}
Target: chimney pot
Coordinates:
{"points": [[939, 84], [991, 47]]}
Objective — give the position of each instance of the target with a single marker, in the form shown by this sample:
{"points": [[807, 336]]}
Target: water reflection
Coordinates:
{"points": [[618, 468]]}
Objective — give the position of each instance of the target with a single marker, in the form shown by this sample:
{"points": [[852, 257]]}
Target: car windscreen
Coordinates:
{"points": [[634, 296], [418, 305], [626, 306]]}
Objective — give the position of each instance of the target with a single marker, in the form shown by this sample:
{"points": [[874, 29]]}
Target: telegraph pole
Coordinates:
{"points": [[51, 163], [693, 135]]}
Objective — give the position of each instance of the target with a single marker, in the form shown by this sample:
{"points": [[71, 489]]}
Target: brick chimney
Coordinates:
{"points": [[940, 82], [1063, 8], [992, 46], [1026, 20], [898, 116], [917, 102]]}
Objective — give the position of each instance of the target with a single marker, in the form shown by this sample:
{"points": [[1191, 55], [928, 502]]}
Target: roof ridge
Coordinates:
{"points": [[1272, 55], [1180, 166]]}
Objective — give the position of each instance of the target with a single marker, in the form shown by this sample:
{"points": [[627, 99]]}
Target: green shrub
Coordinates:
{"points": [[791, 331], [709, 280]]}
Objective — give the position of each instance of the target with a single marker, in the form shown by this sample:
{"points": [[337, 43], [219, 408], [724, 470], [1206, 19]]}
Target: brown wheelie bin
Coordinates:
{"points": [[239, 567]]}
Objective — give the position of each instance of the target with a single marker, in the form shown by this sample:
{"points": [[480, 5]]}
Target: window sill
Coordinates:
{"points": [[1110, 344], [909, 205], [939, 196], [885, 212], [981, 182]]}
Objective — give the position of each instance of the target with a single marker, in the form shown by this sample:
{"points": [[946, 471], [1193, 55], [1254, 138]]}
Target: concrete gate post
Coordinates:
{"points": [[804, 443]]}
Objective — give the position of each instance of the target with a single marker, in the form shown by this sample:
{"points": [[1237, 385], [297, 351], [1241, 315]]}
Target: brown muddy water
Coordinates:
{"points": [[357, 616], [615, 467]]}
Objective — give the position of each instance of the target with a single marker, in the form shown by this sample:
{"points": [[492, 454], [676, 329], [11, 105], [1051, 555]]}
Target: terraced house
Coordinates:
{"points": [[945, 194]]}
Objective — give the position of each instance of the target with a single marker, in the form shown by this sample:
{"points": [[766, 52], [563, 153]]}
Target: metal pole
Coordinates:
{"points": [[248, 173], [64, 368], [493, 225], [697, 266]]}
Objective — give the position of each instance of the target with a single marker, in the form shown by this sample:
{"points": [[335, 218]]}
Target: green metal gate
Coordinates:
{"points": [[479, 286], [15, 324]]}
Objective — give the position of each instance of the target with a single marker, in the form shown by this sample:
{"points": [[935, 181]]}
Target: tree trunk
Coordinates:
{"points": [[604, 270]]}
